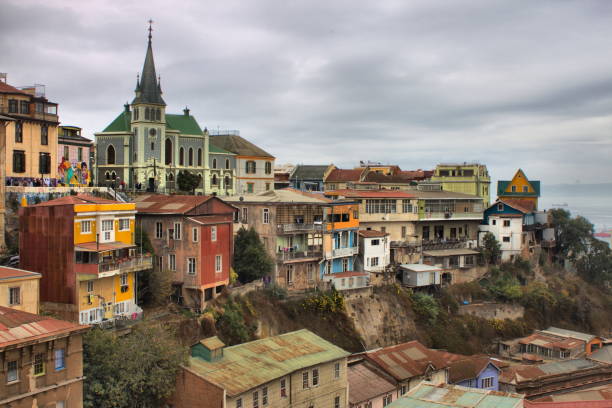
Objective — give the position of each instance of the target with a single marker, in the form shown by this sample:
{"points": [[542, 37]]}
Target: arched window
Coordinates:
{"points": [[251, 167], [191, 156], [214, 166], [107, 175], [169, 151], [214, 180], [228, 182], [147, 114], [268, 168], [158, 114], [113, 175], [199, 157], [227, 164], [181, 157], [110, 155], [136, 113], [171, 177]]}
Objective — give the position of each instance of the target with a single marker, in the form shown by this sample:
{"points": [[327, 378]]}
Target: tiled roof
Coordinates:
{"points": [[77, 199], [342, 175], [7, 272], [238, 145], [468, 368], [6, 88], [427, 395], [249, 365], [370, 193], [365, 383], [168, 204], [372, 234], [17, 327]]}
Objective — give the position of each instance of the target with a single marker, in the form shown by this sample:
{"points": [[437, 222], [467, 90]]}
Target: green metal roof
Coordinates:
{"points": [[249, 365], [184, 124], [121, 123], [215, 149], [502, 185], [452, 396]]}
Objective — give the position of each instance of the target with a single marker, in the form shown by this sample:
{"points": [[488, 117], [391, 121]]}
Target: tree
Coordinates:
{"points": [[491, 249], [188, 181], [572, 235], [596, 265], [251, 261], [136, 370]]}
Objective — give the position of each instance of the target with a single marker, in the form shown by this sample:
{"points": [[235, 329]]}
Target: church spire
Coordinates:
{"points": [[149, 90]]}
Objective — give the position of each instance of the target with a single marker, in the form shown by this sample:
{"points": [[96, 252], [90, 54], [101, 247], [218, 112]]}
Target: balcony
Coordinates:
{"points": [[288, 228], [118, 266], [296, 255], [342, 252], [438, 216]]}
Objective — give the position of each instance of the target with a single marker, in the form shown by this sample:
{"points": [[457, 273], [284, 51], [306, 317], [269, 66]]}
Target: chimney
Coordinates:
{"points": [[186, 111]]}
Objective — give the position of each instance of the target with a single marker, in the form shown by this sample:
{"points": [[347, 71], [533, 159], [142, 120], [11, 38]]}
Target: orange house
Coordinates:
{"points": [[521, 188]]}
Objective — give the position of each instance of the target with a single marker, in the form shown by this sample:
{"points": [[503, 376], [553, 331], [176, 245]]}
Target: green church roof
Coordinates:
{"points": [[186, 125], [120, 124]]}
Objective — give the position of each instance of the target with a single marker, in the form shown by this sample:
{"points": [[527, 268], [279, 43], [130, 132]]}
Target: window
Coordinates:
{"points": [[514, 189], [387, 399], [44, 163], [177, 230], [107, 227], [172, 262], [213, 233], [487, 382], [406, 206], [181, 157], [214, 163], [283, 388], [315, 377], [39, 364], [525, 189], [337, 402], [66, 153], [469, 260], [310, 272], [85, 227], [190, 156], [24, 107], [506, 239], [381, 206], [264, 396], [14, 296], [159, 230], [250, 187], [227, 164], [110, 155], [251, 167], [11, 373], [199, 157], [403, 389], [147, 113], [239, 403], [305, 383], [19, 161], [374, 261], [214, 180], [245, 215], [194, 234], [494, 222], [168, 152], [152, 146], [266, 216], [18, 132], [268, 168], [345, 264], [375, 242], [383, 229], [403, 231], [158, 114], [337, 370], [256, 399], [218, 265], [90, 286], [60, 360], [191, 266], [44, 135], [267, 186], [13, 106], [506, 223], [124, 224], [80, 154]]}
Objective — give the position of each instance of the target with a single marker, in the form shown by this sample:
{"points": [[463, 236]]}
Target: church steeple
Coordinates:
{"points": [[148, 90]]}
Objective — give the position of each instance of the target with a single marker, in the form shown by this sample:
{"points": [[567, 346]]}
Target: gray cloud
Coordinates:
{"points": [[510, 83]]}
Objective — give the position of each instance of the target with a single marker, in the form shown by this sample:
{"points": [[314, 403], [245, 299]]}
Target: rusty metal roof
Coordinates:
{"points": [[168, 204], [249, 365], [77, 199], [427, 395], [366, 383], [468, 368], [372, 234], [7, 272], [212, 343], [18, 327]]}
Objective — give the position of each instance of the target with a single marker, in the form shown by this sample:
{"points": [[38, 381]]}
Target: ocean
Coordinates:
{"points": [[592, 201]]}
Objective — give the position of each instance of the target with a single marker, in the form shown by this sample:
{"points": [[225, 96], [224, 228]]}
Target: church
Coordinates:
{"points": [[145, 148]]}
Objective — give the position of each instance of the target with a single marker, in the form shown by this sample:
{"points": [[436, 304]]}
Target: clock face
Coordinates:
{"points": [[152, 132]]}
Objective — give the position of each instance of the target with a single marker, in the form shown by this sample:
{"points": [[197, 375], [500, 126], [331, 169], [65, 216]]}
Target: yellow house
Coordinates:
{"points": [[19, 289], [519, 188], [30, 144], [466, 178], [97, 275]]}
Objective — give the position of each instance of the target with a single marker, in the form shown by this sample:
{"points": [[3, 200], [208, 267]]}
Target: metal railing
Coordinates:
{"points": [[450, 215], [299, 227], [285, 256], [138, 261], [344, 252]]}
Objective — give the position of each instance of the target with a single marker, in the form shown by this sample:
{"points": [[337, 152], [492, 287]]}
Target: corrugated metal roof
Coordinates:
{"points": [[569, 333], [366, 383], [520, 373], [212, 343], [106, 246], [450, 252], [249, 365], [427, 395], [286, 195], [168, 204], [420, 267], [603, 355]]}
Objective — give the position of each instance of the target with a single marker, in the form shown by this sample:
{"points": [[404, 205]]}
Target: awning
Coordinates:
{"points": [[102, 246]]}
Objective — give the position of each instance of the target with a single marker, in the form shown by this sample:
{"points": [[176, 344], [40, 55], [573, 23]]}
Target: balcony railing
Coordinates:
{"points": [[450, 215], [300, 227], [287, 256], [132, 264], [339, 252]]}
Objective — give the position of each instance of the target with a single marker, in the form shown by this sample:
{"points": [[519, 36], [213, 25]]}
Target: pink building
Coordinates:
{"points": [[74, 154]]}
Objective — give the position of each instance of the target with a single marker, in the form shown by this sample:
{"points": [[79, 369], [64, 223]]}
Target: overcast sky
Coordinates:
{"points": [[508, 83]]}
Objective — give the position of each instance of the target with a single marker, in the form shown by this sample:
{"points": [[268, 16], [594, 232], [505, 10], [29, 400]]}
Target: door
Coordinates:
{"points": [[151, 187]]}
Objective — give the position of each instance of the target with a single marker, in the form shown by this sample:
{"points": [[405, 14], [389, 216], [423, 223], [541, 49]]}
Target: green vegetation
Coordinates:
{"points": [[491, 249], [327, 302], [136, 370], [251, 261], [231, 323], [187, 181]]}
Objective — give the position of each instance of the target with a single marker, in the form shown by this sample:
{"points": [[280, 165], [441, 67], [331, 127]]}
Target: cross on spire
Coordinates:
{"points": [[150, 29]]}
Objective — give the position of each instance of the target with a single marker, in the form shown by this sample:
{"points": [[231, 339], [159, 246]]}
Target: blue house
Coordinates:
{"points": [[307, 177], [474, 372]]}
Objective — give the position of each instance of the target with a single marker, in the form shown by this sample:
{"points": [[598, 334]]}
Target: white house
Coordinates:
{"points": [[374, 250], [348, 280], [419, 275]]}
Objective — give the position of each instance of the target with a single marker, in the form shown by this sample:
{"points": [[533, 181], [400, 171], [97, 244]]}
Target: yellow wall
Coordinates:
{"points": [[126, 236], [519, 180], [32, 148], [108, 288], [29, 293]]}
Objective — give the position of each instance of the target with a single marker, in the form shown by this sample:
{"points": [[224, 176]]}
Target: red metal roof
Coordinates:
{"points": [[370, 193], [77, 199], [366, 383], [552, 342], [17, 327], [168, 204], [6, 88], [568, 404], [525, 206], [372, 234], [14, 273], [344, 175]]}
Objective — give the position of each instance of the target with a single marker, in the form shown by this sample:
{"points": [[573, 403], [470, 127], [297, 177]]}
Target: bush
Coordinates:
{"points": [[328, 302], [276, 292], [231, 325], [426, 307]]}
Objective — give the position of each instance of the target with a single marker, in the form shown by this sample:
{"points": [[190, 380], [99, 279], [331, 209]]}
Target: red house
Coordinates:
{"points": [[193, 241]]}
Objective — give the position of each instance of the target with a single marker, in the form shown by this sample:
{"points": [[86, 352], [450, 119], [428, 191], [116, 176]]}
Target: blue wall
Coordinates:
{"points": [[492, 210], [490, 371]]}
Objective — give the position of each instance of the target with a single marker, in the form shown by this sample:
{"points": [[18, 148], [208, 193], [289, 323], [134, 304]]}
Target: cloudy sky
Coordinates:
{"points": [[415, 82]]}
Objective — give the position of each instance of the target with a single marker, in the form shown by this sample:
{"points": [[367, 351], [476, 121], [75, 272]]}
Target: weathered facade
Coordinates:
{"points": [[466, 178], [75, 154], [19, 289]]}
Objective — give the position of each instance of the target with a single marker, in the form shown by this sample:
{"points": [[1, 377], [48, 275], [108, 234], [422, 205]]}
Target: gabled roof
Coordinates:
{"points": [[168, 204], [120, 124], [250, 365], [343, 175], [468, 368], [6, 88], [18, 327], [239, 145], [523, 206], [185, 124], [502, 185], [77, 199], [366, 383], [427, 395], [309, 172]]}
